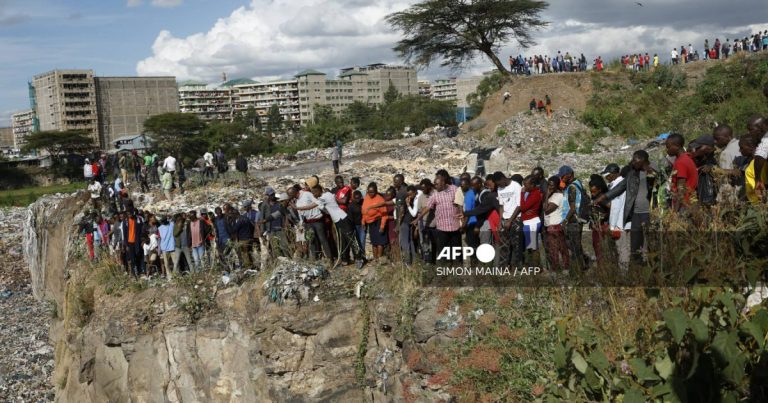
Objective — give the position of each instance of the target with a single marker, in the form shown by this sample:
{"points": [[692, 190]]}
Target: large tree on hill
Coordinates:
{"points": [[59, 144], [454, 31], [177, 133]]}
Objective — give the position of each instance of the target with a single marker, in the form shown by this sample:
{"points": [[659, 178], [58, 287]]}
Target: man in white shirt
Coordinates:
{"points": [[345, 230], [169, 164], [94, 188], [509, 195], [208, 157], [619, 229], [310, 213], [673, 54]]}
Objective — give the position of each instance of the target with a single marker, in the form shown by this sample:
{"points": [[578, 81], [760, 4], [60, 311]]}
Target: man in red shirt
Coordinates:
{"points": [[342, 192], [685, 176]]}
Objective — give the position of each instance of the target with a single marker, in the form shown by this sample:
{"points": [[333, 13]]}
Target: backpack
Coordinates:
{"points": [[583, 206]]}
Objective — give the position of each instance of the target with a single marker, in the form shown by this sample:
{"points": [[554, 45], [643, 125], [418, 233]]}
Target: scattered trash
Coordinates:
{"points": [[225, 279], [359, 289], [293, 280]]}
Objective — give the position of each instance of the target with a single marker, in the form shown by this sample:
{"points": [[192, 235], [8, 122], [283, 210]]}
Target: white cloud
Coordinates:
{"points": [[279, 37]]}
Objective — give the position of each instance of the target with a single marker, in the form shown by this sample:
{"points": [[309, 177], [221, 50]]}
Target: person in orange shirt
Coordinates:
{"points": [[374, 219]]}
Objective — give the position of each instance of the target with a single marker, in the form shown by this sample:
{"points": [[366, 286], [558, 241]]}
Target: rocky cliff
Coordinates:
{"points": [[123, 341]]}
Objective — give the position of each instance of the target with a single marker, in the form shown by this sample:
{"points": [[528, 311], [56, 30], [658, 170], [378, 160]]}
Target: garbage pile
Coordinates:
{"points": [[294, 280], [26, 357]]}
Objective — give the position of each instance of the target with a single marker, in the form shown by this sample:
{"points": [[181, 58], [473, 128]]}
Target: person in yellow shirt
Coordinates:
{"points": [[655, 60], [747, 148]]}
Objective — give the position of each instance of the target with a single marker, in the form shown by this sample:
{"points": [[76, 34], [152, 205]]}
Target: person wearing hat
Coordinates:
{"points": [[636, 188], [313, 219], [573, 192], [271, 225]]}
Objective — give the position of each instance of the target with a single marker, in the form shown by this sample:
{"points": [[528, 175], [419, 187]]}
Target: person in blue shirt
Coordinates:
{"points": [[167, 246], [472, 236]]}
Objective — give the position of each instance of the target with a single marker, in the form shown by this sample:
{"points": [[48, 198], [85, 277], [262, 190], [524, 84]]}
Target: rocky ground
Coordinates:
{"points": [[26, 356]]}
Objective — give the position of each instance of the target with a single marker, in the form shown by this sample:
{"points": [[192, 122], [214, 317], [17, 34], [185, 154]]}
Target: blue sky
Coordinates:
{"points": [[269, 39], [108, 36]]}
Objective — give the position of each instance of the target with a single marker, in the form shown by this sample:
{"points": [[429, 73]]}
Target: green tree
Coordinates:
{"points": [[226, 135], [391, 95], [177, 133], [251, 118], [326, 128], [274, 120], [454, 31], [58, 144]]}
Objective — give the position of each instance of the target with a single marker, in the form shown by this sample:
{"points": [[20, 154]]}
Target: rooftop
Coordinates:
{"points": [[310, 72]]}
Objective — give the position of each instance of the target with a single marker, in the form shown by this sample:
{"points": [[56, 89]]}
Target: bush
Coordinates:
{"points": [[702, 349]]}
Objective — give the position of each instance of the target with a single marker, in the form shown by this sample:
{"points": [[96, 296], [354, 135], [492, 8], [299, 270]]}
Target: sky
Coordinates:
{"points": [[271, 39]]}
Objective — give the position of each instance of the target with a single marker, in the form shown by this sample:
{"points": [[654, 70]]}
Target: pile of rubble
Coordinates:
{"points": [[26, 357], [293, 280]]}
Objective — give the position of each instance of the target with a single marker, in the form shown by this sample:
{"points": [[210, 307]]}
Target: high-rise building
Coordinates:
{"points": [[425, 88], [261, 96], [22, 125], [124, 103], [66, 100], [444, 89], [296, 98], [208, 101], [455, 89]]}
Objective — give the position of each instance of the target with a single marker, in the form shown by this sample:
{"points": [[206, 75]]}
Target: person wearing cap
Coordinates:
{"points": [[636, 188], [270, 226], [313, 219], [573, 191]]}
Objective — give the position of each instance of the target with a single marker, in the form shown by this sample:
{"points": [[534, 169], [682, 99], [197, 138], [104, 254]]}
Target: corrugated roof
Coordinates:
{"points": [[238, 81], [310, 72]]}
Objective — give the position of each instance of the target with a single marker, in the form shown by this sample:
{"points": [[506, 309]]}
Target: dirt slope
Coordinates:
{"points": [[567, 90]]}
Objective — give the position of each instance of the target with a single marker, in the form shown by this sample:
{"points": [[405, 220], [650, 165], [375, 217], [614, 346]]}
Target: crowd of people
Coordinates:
{"points": [[518, 215], [642, 61]]}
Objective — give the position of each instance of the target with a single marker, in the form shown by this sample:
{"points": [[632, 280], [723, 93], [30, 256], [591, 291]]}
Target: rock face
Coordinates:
{"points": [[138, 346], [48, 234], [275, 356]]}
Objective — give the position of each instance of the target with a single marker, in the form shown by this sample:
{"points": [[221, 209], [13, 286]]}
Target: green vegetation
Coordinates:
{"points": [[666, 99], [25, 196], [488, 86], [198, 293], [701, 348], [59, 144], [455, 32]]}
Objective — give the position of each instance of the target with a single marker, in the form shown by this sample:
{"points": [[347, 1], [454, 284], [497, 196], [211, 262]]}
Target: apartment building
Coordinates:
{"points": [[444, 89], [207, 101], [455, 89], [261, 96], [425, 88], [297, 97], [22, 125], [124, 103], [66, 100]]}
